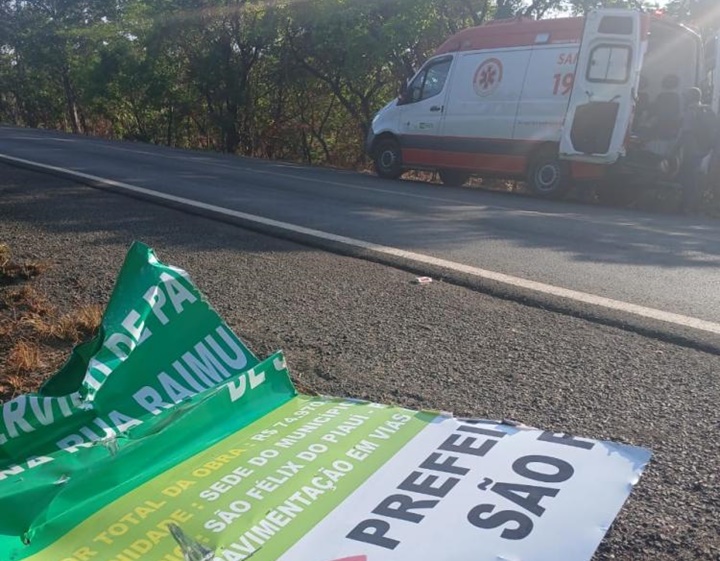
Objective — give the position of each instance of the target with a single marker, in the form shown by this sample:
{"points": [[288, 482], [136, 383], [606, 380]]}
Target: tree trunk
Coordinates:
{"points": [[71, 103], [231, 137], [170, 126]]}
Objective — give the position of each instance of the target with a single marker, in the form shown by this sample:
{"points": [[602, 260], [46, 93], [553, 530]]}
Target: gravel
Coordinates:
{"points": [[360, 329]]}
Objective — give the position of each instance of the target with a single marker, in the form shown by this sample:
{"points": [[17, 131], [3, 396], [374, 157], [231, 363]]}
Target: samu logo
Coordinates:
{"points": [[488, 77]]}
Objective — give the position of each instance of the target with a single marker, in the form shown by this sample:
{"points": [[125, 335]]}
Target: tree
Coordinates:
{"points": [[703, 14], [300, 80], [221, 41]]}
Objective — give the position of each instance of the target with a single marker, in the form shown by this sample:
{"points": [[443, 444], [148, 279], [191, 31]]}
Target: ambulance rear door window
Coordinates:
{"points": [[616, 25], [610, 64]]}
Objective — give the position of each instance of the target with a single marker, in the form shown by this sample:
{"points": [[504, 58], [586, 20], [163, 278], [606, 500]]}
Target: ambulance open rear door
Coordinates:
{"points": [[601, 103]]}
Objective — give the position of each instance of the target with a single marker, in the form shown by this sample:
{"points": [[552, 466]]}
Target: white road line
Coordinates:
{"points": [[542, 288]]}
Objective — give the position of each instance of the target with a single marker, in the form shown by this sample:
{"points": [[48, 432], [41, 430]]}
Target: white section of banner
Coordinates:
{"points": [[523, 499]]}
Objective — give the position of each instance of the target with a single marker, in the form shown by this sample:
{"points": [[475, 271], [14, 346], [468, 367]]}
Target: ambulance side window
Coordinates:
{"points": [[610, 64], [430, 81]]}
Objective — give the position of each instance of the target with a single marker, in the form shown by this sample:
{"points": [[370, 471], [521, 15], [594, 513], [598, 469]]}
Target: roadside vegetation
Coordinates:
{"points": [[35, 337], [297, 80]]}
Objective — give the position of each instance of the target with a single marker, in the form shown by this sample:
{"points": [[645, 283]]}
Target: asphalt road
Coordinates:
{"points": [[663, 262], [354, 328]]}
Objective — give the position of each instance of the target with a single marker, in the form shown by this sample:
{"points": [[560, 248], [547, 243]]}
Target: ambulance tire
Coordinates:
{"points": [[547, 176], [388, 159], [453, 177]]}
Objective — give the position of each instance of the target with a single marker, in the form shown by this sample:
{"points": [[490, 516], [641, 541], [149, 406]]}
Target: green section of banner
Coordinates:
{"points": [[164, 379], [166, 418], [323, 482], [254, 493]]}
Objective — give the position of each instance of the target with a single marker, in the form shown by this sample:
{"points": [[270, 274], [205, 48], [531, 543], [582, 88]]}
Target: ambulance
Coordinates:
{"points": [[548, 101]]}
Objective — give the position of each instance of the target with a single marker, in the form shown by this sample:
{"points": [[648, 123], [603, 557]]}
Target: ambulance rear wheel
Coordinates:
{"points": [[388, 159], [548, 177], [453, 178]]}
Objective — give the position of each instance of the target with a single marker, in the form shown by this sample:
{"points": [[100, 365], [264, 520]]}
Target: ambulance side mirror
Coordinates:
{"points": [[403, 94]]}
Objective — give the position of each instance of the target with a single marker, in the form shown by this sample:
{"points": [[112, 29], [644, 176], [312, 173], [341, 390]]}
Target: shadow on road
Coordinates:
{"points": [[414, 215], [581, 232], [60, 208]]}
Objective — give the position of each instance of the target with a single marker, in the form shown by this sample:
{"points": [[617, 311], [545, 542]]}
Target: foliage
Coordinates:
{"points": [[298, 80], [703, 14]]}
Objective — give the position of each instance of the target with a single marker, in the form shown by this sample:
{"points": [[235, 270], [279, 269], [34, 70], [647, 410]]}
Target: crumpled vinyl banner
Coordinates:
{"points": [[165, 439]]}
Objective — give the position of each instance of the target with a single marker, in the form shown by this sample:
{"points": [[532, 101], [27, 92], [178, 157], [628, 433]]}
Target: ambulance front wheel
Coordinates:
{"points": [[548, 177], [388, 159]]}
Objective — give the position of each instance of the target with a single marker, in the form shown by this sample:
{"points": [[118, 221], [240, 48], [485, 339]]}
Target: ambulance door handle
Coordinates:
{"points": [[436, 108]]}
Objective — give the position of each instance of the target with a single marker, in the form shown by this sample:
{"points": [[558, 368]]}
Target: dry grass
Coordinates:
{"points": [[80, 324], [32, 312], [13, 385], [6, 330], [26, 300], [11, 271], [35, 337], [24, 357]]}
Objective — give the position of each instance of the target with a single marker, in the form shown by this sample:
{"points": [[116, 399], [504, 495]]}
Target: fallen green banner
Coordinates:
{"points": [[165, 439]]}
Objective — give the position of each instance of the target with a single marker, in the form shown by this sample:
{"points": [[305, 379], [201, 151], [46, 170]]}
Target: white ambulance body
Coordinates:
{"points": [[549, 101], [712, 63], [711, 164]]}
